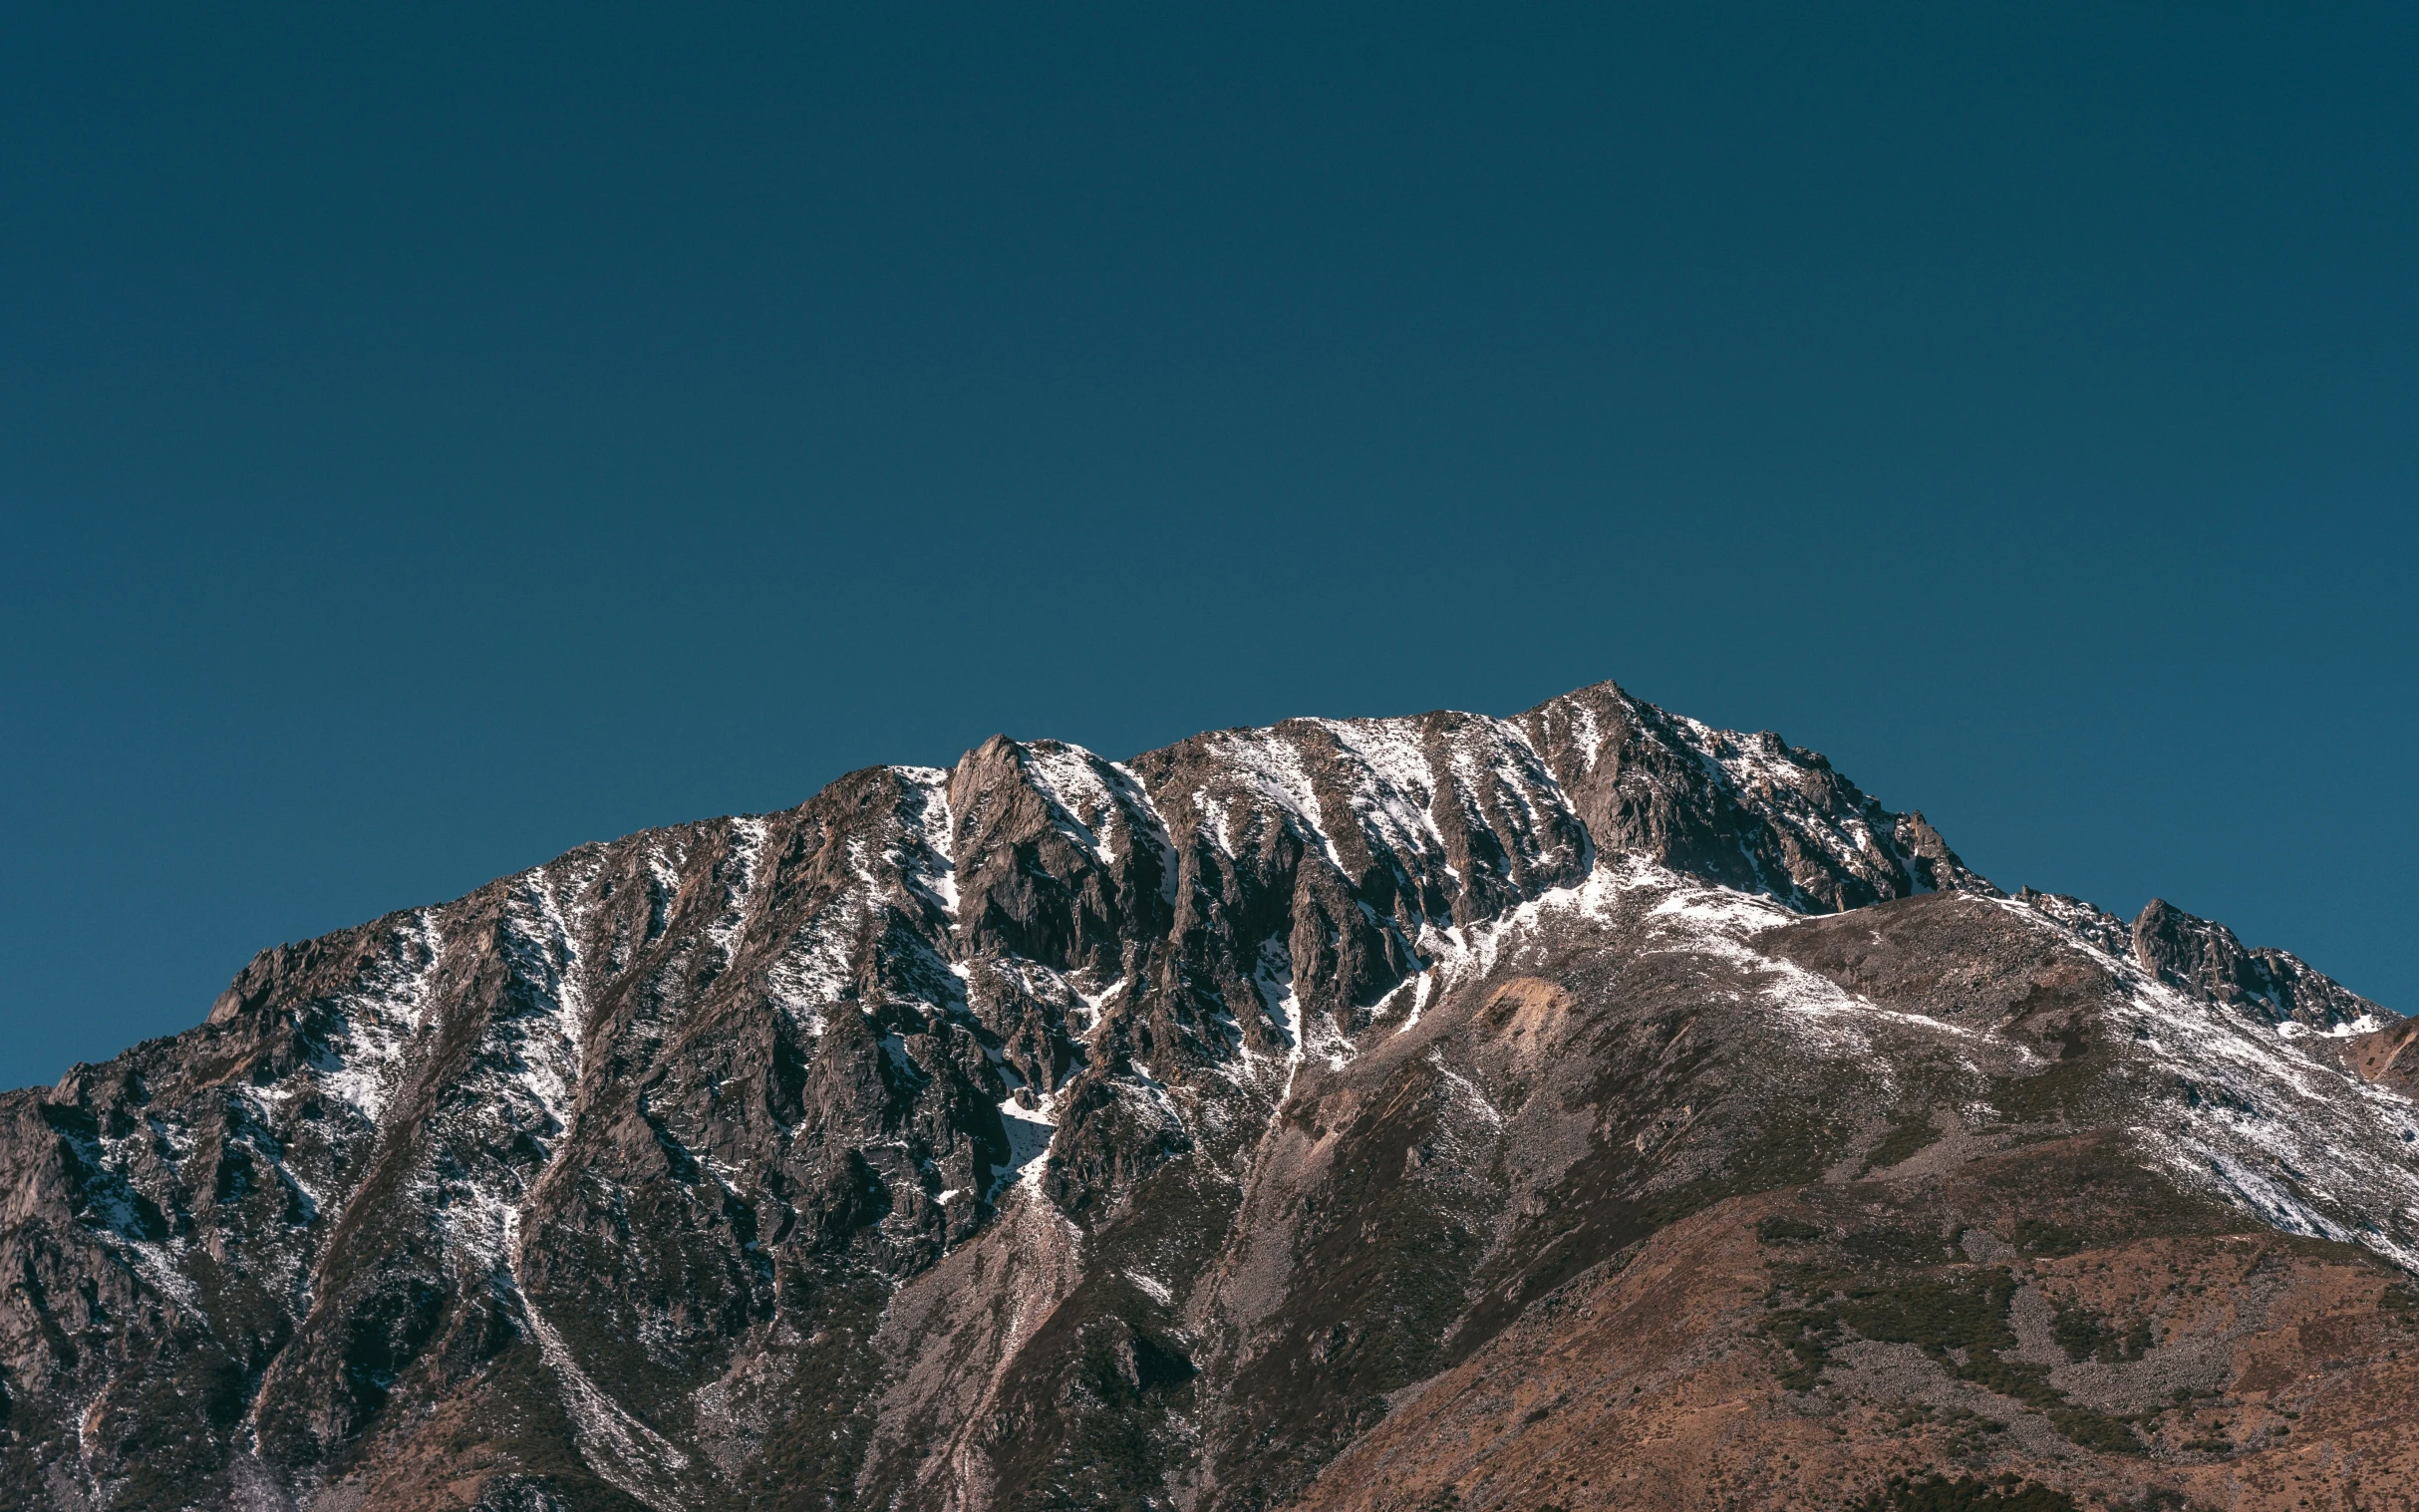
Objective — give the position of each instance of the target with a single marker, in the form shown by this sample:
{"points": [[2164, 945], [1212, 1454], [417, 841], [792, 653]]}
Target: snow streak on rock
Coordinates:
{"points": [[1396, 786], [1264, 763], [378, 1019], [528, 1061], [929, 860], [738, 874]]}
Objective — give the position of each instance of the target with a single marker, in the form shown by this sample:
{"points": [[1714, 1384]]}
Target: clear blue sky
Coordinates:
{"points": [[435, 437]]}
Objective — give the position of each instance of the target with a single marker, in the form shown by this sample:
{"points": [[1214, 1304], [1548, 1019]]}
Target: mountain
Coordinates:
{"points": [[1585, 1109]]}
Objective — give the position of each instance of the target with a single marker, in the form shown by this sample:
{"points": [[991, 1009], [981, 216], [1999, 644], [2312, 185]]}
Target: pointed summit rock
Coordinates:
{"points": [[2206, 958]]}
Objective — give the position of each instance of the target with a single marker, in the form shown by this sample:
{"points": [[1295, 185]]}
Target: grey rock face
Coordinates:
{"points": [[1044, 1130], [2206, 958]]}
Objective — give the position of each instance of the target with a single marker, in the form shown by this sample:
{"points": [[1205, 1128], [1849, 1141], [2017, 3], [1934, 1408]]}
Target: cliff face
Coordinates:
{"points": [[1219, 1129]]}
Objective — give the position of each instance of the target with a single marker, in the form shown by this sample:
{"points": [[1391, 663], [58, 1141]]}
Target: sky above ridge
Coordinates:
{"points": [[431, 439]]}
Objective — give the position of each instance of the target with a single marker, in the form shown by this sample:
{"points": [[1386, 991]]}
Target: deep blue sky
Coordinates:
{"points": [[433, 438]]}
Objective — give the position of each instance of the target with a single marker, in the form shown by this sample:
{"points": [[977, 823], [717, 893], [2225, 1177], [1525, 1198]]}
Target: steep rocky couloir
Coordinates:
{"points": [[1236, 1126]]}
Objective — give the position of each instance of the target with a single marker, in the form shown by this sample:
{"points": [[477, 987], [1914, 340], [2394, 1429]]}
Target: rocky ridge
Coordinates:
{"points": [[1049, 1130]]}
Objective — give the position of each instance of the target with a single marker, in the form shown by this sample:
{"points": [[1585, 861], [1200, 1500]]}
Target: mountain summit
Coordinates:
{"points": [[1584, 1109]]}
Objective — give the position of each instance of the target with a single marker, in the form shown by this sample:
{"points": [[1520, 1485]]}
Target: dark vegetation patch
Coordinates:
{"points": [[1095, 1398], [2085, 1191], [681, 1264], [522, 1422], [2039, 1236], [1778, 1230], [171, 1443], [1966, 1494], [1956, 1316], [2086, 1335], [1896, 1247], [2069, 1091], [1909, 1132], [1968, 1432], [835, 1365]]}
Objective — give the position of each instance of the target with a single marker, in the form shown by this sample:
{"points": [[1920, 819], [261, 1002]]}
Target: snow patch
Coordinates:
{"points": [[380, 1016], [1262, 762], [1395, 798], [739, 886], [807, 977], [1151, 1286], [1029, 1132], [1080, 804], [933, 865], [1274, 978]]}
